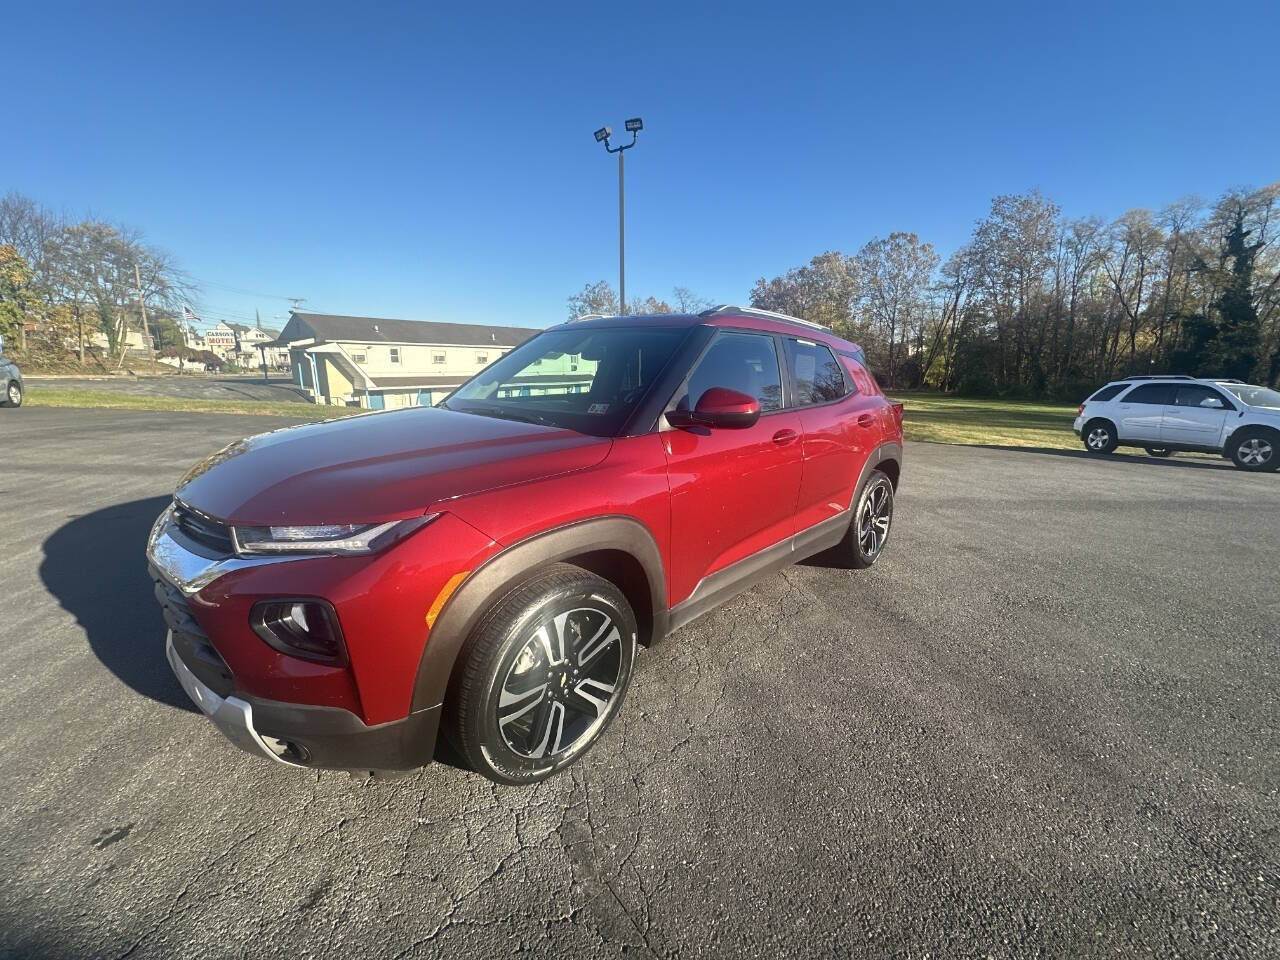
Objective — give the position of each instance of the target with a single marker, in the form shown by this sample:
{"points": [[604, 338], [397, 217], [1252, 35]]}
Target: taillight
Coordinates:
{"points": [[300, 628], [1079, 409]]}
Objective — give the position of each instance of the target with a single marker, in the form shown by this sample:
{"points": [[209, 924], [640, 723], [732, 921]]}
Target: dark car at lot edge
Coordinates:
{"points": [[338, 594]]}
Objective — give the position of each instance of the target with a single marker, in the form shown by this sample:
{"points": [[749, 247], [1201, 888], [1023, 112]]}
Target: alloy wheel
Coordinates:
{"points": [[1098, 438], [1255, 452], [873, 520], [559, 688], [15, 394]]}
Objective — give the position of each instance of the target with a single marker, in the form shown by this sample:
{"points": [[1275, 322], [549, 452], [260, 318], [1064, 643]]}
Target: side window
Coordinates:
{"points": [[1161, 393], [395, 354], [745, 362], [857, 371], [816, 377], [1196, 395], [1107, 393]]}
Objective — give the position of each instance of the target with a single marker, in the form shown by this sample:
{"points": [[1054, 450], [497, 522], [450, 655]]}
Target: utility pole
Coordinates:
{"points": [[634, 126], [146, 331], [622, 242]]}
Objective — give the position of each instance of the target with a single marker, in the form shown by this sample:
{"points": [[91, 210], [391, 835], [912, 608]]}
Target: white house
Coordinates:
{"points": [[379, 362]]}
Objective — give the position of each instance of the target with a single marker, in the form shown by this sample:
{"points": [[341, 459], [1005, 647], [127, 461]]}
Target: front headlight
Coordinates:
{"points": [[331, 538]]}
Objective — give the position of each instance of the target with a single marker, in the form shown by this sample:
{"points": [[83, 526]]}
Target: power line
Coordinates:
{"points": [[242, 290]]}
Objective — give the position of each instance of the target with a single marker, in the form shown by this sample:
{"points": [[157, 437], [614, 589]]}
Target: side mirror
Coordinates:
{"points": [[1213, 403], [719, 408]]}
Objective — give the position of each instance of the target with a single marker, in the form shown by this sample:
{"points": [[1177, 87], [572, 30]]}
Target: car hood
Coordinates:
{"points": [[377, 467]]}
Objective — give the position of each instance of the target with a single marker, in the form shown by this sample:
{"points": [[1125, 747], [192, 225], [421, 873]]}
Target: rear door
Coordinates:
{"points": [[1196, 416], [841, 425], [1140, 412]]}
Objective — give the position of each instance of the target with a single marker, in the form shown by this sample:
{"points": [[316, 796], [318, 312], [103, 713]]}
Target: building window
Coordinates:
{"points": [[395, 354], [437, 358], [482, 358], [360, 358]]}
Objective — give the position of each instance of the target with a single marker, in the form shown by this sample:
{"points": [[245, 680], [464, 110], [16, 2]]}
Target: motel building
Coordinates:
{"points": [[381, 363]]}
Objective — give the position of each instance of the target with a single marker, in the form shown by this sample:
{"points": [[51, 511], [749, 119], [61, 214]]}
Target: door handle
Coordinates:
{"points": [[865, 419], [784, 437]]}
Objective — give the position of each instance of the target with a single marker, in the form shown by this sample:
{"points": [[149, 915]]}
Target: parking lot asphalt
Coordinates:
{"points": [[1046, 723]]}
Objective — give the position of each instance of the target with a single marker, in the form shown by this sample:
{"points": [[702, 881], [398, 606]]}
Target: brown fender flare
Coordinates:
{"points": [[505, 571]]}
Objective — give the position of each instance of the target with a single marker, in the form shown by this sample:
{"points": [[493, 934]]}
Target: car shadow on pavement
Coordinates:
{"points": [[96, 566], [1177, 460]]}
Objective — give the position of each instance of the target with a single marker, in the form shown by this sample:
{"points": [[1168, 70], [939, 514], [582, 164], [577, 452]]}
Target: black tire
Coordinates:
{"points": [[1099, 436], [557, 704], [1255, 449], [1161, 452], [869, 527], [12, 394]]}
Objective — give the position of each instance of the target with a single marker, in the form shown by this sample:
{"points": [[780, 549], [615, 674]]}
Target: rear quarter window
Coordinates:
{"points": [[1106, 393], [861, 377]]}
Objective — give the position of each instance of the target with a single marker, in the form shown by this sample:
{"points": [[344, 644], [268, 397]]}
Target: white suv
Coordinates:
{"points": [[1167, 414]]}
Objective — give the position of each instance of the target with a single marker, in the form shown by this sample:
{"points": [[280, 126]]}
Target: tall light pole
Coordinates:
{"points": [[634, 126]]}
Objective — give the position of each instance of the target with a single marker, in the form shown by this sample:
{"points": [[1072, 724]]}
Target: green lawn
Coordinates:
{"points": [[44, 396], [929, 416], [964, 420]]}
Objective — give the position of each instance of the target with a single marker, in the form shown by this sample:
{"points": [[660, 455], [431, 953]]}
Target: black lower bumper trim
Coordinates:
{"points": [[336, 739]]}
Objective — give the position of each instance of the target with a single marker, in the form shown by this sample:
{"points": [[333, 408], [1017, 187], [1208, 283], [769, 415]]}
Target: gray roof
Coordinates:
{"points": [[324, 326]]}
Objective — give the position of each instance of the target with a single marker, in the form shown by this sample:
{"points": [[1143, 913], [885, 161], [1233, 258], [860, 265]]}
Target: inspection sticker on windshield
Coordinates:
{"points": [[598, 408]]}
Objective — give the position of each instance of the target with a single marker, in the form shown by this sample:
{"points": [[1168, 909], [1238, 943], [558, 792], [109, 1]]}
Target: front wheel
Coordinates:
{"points": [[542, 676], [1255, 450], [12, 395]]}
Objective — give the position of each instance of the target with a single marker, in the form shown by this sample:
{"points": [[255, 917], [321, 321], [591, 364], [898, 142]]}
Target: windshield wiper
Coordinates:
{"points": [[503, 413]]}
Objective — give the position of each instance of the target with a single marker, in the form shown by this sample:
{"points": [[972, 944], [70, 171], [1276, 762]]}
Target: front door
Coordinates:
{"points": [[733, 492], [1196, 416], [1141, 410]]}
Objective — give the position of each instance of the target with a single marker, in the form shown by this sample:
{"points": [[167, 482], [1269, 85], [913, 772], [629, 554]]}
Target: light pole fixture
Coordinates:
{"points": [[633, 127]]}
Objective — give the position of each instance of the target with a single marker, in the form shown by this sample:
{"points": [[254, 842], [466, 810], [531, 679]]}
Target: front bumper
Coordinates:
{"points": [[232, 715], [234, 682], [310, 736], [1078, 425]]}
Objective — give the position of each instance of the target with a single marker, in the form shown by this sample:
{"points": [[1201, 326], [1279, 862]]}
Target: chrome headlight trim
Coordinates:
{"points": [[347, 539]]}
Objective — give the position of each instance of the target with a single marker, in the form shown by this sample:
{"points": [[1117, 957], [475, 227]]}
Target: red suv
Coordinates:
{"points": [[336, 592]]}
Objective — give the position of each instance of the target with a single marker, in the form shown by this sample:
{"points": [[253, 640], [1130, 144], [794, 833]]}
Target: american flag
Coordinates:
{"points": [[189, 316]]}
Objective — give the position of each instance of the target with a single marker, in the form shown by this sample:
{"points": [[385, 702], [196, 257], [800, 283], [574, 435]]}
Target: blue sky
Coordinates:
{"points": [[399, 160]]}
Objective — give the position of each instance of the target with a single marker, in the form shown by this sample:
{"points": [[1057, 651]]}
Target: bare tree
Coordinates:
{"points": [[896, 273]]}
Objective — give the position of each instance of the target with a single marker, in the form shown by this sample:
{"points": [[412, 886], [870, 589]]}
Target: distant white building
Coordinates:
{"points": [[380, 363], [253, 346]]}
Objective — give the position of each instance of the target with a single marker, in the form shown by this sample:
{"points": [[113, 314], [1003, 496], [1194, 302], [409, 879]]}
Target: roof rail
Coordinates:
{"points": [[1228, 380], [728, 308], [1163, 376], [589, 316]]}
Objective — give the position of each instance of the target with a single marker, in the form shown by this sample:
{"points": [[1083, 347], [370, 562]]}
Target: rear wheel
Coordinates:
{"points": [[869, 529], [1099, 436], [12, 394], [542, 676], [1159, 452], [1255, 449]]}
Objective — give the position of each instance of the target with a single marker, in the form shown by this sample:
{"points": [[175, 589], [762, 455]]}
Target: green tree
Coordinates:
{"points": [[15, 281], [1236, 347]]}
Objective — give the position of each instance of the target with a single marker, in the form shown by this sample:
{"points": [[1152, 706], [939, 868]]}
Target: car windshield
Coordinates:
{"points": [[1253, 395], [586, 379]]}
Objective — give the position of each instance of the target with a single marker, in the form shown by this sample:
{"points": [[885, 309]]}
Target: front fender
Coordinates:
{"points": [[506, 570]]}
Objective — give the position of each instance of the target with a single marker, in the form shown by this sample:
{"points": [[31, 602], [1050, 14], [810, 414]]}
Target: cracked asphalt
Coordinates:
{"points": [[1044, 725]]}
